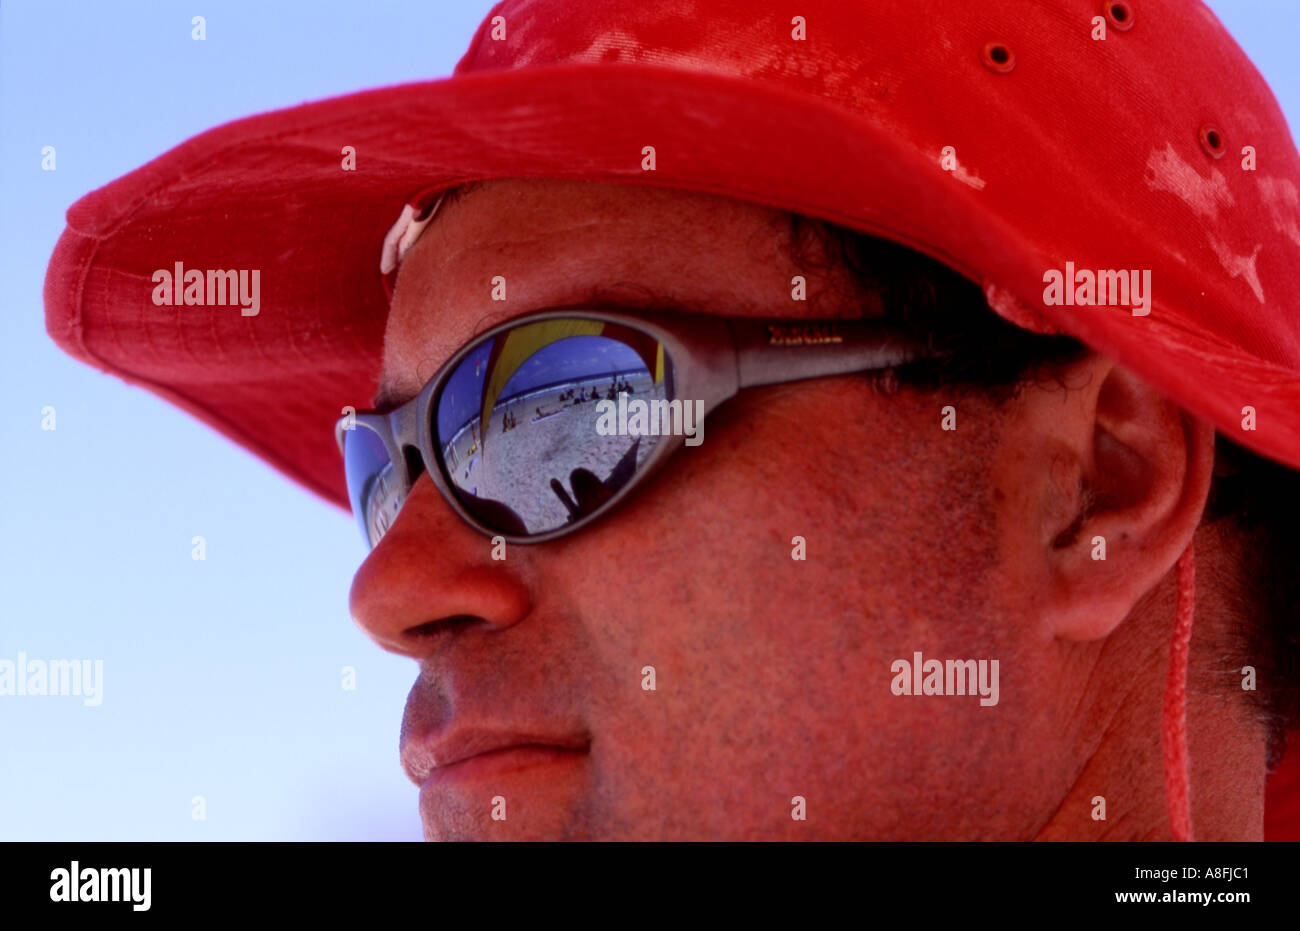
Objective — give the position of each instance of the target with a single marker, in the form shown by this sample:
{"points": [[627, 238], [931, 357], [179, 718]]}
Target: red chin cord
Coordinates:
{"points": [[1173, 728]]}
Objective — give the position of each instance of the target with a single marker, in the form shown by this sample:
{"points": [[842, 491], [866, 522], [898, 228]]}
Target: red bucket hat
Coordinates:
{"points": [[1009, 140]]}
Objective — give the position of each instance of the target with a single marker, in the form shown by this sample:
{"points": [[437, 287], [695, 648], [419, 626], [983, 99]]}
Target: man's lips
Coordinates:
{"points": [[499, 762], [464, 753]]}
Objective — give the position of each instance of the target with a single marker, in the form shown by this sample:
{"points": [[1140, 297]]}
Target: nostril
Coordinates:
{"points": [[443, 625]]}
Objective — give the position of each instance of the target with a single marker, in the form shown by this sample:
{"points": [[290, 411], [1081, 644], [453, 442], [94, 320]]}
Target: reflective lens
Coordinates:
{"points": [[374, 484], [539, 426]]}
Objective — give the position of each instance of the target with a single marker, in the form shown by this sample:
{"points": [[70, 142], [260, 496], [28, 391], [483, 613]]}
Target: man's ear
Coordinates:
{"points": [[1137, 474]]}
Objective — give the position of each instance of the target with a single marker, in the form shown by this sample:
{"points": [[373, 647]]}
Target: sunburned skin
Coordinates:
{"points": [[673, 673]]}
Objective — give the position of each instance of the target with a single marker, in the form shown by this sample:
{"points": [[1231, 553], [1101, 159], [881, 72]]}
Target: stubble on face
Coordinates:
{"points": [[772, 674]]}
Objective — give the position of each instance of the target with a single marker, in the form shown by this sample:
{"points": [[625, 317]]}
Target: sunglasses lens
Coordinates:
{"points": [[374, 484], [540, 426]]}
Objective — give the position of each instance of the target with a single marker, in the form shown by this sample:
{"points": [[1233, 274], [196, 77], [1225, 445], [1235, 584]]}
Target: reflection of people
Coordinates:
{"points": [[803, 598], [494, 512], [589, 491]]}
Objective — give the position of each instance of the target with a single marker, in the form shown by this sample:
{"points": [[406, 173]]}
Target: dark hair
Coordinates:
{"points": [[985, 353]]}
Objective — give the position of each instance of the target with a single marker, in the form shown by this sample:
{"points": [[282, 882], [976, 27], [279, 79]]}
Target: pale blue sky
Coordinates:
{"points": [[222, 677]]}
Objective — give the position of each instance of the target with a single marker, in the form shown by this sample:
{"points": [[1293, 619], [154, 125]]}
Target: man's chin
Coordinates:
{"points": [[518, 795]]}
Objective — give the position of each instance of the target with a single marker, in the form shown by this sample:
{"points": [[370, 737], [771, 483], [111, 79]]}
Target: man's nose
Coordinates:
{"points": [[432, 568]]}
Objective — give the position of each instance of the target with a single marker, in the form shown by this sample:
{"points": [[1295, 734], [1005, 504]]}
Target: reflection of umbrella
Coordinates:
{"points": [[522, 343]]}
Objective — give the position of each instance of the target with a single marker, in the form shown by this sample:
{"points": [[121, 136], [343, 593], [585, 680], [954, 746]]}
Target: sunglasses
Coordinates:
{"points": [[542, 425]]}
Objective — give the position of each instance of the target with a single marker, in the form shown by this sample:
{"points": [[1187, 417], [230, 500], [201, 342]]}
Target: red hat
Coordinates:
{"points": [[1014, 142]]}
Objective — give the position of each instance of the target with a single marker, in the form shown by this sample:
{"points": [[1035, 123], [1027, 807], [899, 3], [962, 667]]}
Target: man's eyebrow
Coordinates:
{"points": [[388, 397]]}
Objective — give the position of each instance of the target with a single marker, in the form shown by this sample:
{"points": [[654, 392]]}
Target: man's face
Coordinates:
{"points": [[771, 674]]}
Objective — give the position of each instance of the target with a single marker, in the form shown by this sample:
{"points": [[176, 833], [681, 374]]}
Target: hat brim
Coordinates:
{"points": [[269, 193]]}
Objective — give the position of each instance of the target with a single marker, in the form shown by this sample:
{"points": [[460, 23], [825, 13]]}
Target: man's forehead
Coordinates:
{"points": [[508, 248]]}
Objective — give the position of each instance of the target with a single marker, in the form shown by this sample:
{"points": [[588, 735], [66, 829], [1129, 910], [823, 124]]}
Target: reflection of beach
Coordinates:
{"points": [[516, 466]]}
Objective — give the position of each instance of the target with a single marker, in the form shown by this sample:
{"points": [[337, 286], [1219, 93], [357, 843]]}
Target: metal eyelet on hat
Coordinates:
{"points": [[1212, 140], [997, 57], [1119, 14]]}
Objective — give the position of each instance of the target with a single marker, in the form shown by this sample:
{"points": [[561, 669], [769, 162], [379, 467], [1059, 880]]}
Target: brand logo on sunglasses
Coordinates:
{"points": [[802, 334]]}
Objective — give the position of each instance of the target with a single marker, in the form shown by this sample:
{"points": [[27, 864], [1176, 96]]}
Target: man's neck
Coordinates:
{"points": [[1122, 773]]}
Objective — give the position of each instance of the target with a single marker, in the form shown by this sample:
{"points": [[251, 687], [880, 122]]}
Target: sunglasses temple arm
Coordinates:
{"points": [[771, 352]]}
